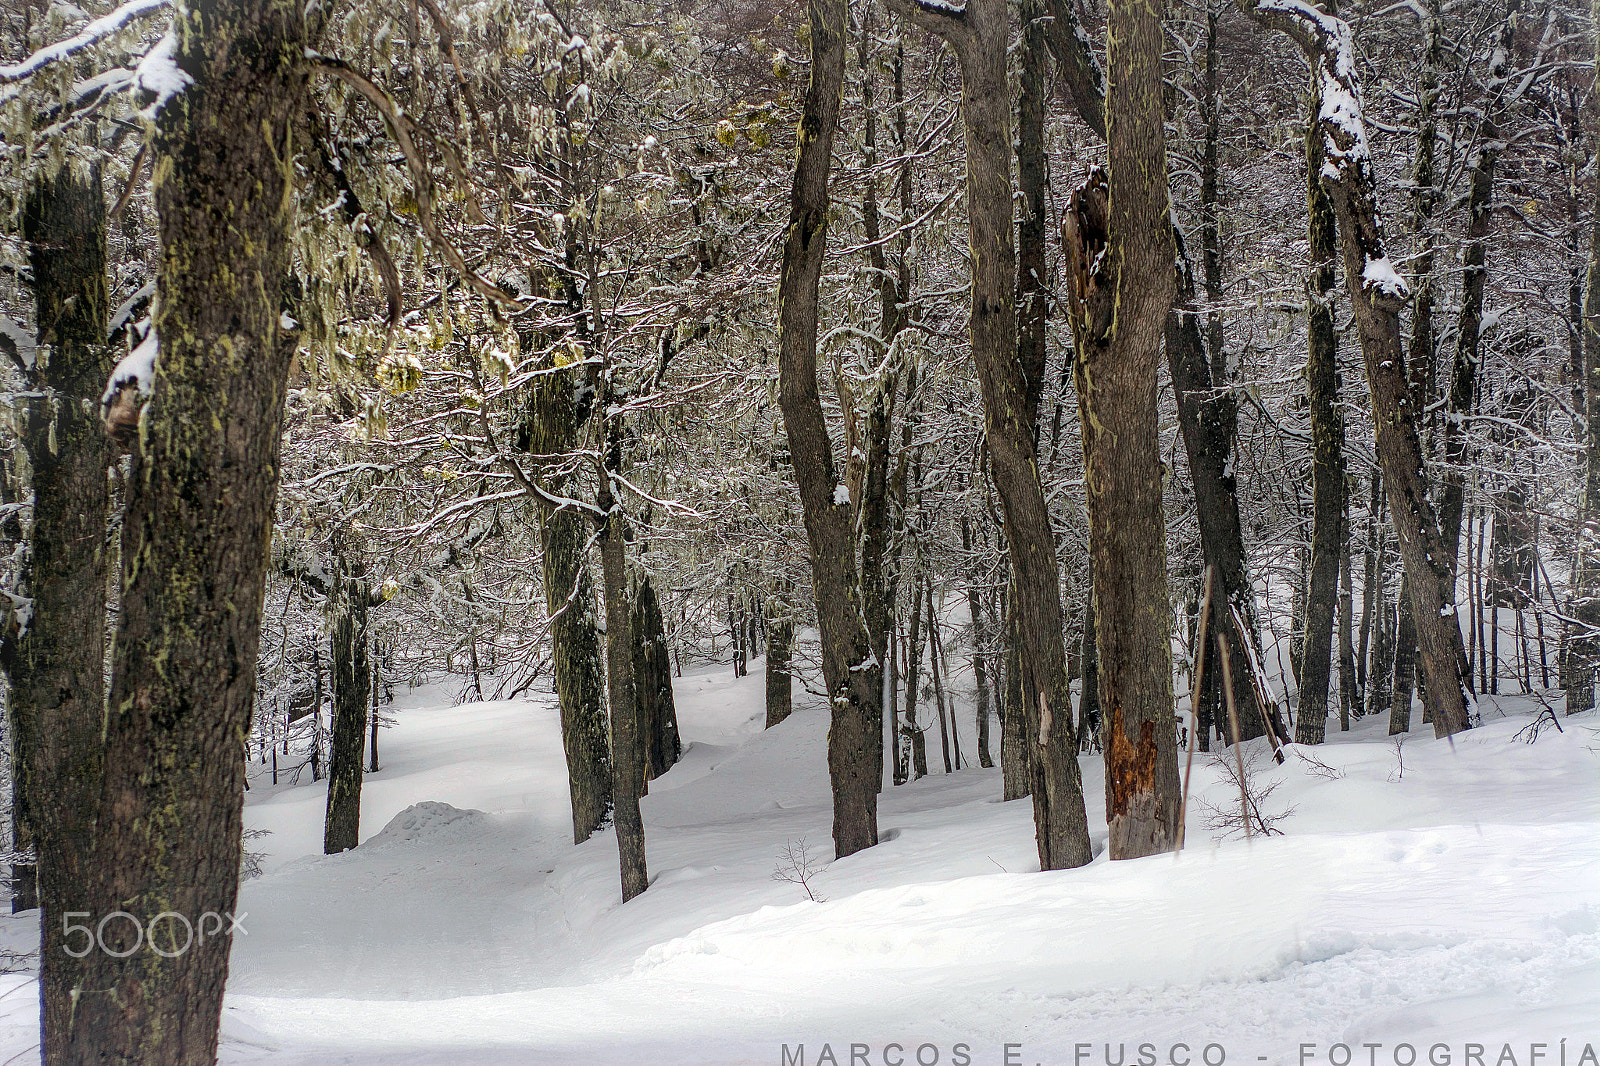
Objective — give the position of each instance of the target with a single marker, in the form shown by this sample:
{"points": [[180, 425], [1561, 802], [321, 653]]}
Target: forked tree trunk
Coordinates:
{"points": [[1120, 258], [978, 34], [852, 675], [1377, 295], [200, 505], [1327, 449], [55, 660]]}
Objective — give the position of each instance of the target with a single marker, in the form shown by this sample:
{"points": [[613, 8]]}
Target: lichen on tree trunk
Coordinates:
{"points": [[200, 503]]}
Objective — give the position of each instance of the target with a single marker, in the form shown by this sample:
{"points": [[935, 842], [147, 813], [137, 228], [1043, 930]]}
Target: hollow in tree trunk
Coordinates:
{"points": [[1120, 256]]}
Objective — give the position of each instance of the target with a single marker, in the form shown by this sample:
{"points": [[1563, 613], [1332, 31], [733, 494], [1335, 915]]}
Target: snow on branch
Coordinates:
{"points": [[91, 35], [159, 75], [1329, 43]]}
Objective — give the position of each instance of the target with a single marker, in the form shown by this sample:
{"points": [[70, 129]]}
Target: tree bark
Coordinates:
{"points": [[852, 674], [1120, 260], [1377, 294], [200, 503], [1327, 449], [55, 659]]}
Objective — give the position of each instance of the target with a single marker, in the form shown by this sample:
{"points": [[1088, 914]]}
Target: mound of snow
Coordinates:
{"points": [[430, 822]]}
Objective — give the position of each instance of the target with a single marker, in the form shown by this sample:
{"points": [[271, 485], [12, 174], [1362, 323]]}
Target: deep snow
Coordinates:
{"points": [[1459, 903]]}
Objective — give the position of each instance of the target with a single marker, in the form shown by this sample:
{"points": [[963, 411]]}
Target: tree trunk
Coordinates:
{"points": [[200, 504], [628, 760], [1377, 295], [652, 678], [1120, 264], [1033, 264], [1089, 688], [1405, 663], [916, 734], [1015, 774], [851, 673], [550, 432], [980, 653], [352, 684], [1381, 675], [978, 33], [780, 645], [1327, 450], [1424, 200], [1583, 647], [1464, 370], [935, 657], [55, 659], [1207, 418], [877, 582], [1349, 698], [1371, 597], [377, 684]]}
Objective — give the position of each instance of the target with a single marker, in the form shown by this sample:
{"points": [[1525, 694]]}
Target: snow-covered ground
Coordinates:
{"points": [[1458, 903]]}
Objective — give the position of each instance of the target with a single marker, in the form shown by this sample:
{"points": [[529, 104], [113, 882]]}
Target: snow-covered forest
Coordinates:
{"points": [[865, 531]]}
